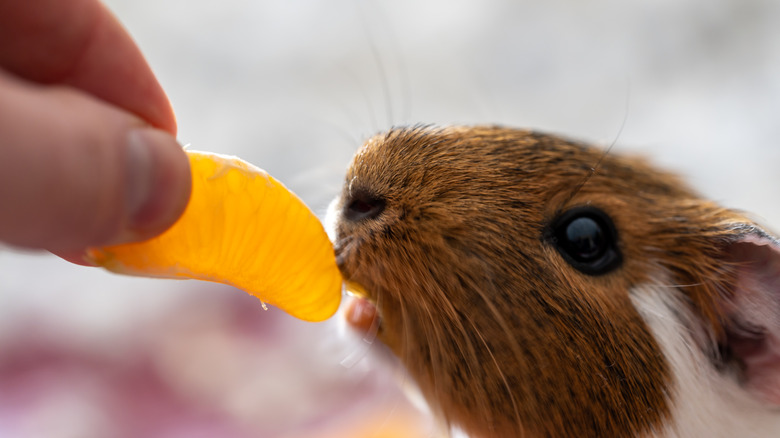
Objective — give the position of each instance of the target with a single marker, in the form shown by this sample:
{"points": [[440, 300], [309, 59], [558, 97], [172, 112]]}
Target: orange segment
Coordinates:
{"points": [[243, 228]]}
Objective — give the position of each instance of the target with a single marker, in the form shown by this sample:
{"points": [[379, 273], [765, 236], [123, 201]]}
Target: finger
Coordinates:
{"points": [[75, 257], [80, 43], [77, 172]]}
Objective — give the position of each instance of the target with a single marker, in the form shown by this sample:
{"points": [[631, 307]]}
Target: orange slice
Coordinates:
{"points": [[243, 228]]}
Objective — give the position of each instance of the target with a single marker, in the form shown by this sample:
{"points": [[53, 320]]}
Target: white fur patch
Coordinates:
{"points": [[705, 403]]}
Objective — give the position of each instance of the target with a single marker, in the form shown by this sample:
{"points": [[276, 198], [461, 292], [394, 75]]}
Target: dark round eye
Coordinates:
{"points": [[363, 206], [587, 239]]}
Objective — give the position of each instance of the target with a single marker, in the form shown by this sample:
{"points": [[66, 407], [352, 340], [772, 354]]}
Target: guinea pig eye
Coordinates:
{"points": [[362, 206], [587, 239]]}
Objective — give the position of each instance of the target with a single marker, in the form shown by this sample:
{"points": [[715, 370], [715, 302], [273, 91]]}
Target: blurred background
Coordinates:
{"points": [[295, 87]]}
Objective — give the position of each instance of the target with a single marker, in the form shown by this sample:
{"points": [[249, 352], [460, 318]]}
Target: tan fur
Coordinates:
{"points": [[504, 337]]}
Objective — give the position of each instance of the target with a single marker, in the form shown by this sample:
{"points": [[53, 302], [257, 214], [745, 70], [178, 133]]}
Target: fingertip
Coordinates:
{"points": [[157, 181], [77, 258]]}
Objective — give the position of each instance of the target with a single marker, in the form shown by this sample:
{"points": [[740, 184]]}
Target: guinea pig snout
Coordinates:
{"points": [[347, 219], [334, 226]]}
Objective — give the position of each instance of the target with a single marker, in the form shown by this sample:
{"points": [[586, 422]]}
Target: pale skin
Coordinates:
{"points": [[88, 155]]}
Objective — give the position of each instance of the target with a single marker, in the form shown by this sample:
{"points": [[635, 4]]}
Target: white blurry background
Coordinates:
{"points": [[294, 87]]}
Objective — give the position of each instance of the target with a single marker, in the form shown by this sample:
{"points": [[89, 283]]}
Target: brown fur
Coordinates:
{"points": [[502, 335]]}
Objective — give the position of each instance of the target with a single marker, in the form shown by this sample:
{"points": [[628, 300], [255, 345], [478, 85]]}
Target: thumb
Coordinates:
{"points": [[78, 172]]}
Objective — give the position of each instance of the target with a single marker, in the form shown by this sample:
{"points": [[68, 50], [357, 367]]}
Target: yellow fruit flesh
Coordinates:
{"points": [[355, 289], [244, 228]]}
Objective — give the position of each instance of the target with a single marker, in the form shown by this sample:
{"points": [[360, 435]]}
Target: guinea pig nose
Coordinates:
{"points": [[362, 207]]}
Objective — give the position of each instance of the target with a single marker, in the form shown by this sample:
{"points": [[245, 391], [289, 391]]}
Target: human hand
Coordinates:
{"points": [[87, 149]]}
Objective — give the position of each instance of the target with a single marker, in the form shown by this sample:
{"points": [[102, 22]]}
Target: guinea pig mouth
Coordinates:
{"points": [[343, 249], [361, 309]]}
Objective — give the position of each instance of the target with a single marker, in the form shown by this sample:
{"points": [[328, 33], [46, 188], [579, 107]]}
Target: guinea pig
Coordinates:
{"points": [[534, 286]]}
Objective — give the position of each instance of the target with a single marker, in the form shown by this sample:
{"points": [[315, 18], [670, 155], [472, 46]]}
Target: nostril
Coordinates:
{"points": [[364, 207]]}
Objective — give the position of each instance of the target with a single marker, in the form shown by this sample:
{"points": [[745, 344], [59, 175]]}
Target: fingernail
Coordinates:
{"points": [[157, 182]]}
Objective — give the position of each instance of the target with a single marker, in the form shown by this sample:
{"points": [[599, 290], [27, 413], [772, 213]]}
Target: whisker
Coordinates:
{"points": [[471, 359], [435, 351], [678, 286], [370, 111], [407, 352], [607, 151], [515, 347], [378, 61], [368, 339], [404, 81], [500, 373]]}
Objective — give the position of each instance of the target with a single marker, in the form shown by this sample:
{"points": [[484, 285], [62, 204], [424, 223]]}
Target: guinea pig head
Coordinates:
{"points": [[531, 296]]}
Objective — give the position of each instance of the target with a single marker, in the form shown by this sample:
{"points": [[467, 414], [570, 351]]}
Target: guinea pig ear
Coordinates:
{"points": [[752, 312]]}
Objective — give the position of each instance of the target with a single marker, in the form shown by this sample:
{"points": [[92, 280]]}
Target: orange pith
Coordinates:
{"points": [[244, 228]]}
